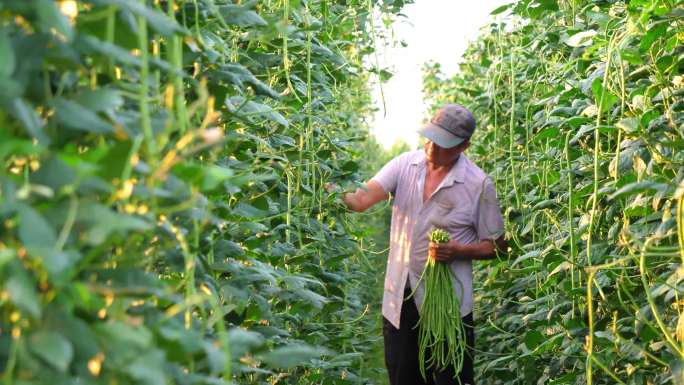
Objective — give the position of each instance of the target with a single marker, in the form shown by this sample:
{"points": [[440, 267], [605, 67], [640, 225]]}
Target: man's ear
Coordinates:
{"points": [[465, 144]]}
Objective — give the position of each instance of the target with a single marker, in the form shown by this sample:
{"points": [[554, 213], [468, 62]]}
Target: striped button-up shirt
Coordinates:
{"points": [[464, 204]]}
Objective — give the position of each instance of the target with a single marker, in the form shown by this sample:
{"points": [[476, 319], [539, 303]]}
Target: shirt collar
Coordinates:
{"points": [[456, 174]]}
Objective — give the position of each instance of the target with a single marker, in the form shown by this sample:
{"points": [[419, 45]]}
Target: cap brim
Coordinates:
{"points": [[440, 136]]}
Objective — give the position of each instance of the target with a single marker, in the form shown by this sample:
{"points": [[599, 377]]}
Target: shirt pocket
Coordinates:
{"points": [[450, 216]]}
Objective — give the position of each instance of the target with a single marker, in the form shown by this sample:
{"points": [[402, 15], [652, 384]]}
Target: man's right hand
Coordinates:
{"points": [[361, 199]]}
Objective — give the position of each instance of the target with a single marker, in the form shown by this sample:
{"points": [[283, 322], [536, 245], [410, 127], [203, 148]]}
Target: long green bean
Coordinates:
{"points": [[441, 334]]}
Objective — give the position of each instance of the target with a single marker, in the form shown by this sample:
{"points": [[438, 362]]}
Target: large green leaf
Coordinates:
{"points": [[249, 109], [7, 57], [52, 20], [243, 341], [149, 368], [636, 187], [25, 113], [74, 115], [157, 19], [34, 230], [292, 355], [603, 97], [52, 347], [580, 39], [102, 222], [101, 99], [22, 291], [240, 15], [239, 75]]}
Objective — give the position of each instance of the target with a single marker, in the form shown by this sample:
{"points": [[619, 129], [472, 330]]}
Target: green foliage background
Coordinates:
{"points": [[581, 123], [162, 211], [164, 217]]}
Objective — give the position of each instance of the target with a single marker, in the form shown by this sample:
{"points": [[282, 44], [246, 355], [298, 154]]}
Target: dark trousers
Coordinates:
{"points": [[401, 351]]}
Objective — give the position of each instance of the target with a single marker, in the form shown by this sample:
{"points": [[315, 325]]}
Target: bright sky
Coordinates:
{"points": [[435, 30]]}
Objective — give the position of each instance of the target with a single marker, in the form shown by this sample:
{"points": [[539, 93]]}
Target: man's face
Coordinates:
{"points": [[438, 156]]}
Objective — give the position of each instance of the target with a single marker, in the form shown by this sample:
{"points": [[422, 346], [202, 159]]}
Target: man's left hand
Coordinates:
{"points": [[444, 252]]}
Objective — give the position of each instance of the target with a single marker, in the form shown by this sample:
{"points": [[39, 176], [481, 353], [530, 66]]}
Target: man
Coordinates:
{"points": [[435, 188]]}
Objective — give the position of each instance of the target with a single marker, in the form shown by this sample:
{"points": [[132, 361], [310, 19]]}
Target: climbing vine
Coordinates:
{"points": [[581, 123], [162, 211]]}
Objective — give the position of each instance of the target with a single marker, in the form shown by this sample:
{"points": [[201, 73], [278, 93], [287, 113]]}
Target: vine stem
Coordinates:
{"points": [[680, 219], [145, 121], [654, 309], [109, 34], [288, 214], [570, 217], [622, 112], [590, 337], [286, 57], [175, 57], [511, 129], [11, 360], [594, 204], [69, 222], [371, 19]]}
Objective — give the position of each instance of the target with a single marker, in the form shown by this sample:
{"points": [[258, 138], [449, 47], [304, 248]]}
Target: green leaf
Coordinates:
{"points": [[666, 63], [213, 176], [34, 230], [149, 368], [677, 369], [238, 75], [246, 210], [224, 248], [157, 19], [74, 115], [289, 356], [581, 39], [54, 173], [501, 9], [51, 19], [76, 330], [533, 338], [101, 99], [103, 222], [7, 58], [603, 97], [628, 125], [631, 55], [240, 15], [25, 113], [535, 9], [583, 130], [22, 292], [548, 132], [600, 18], [92, 44], [346, 359], [526, 256], [53, 348], [651, 36], [247, 109], [125, 335], [311, 297], [242, 341], [637, 187], [7, 255]]}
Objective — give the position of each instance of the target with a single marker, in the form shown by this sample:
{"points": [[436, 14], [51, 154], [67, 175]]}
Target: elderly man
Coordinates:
{"points": [[438, 187]]}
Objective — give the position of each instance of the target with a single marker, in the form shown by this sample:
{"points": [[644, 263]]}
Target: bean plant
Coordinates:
{"points": [[581, 124], [162, 212]]}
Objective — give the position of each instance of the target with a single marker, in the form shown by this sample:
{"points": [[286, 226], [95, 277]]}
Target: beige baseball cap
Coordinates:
{"points": [[449, 126]]}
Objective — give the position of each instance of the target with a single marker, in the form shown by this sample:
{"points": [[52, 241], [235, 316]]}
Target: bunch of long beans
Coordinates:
{"points": [[441, 334]]}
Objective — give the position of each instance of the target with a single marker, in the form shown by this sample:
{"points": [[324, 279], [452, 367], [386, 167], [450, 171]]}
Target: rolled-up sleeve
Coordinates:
{"points": [[488, 219], [388, 175]]}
